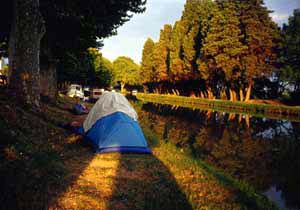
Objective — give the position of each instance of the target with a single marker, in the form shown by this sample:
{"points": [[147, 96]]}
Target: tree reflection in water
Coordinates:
{"points": [[264, 152]]}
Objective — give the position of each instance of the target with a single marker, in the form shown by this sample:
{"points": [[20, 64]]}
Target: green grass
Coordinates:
{"points": [[44, 167], [257, 110], [246, 195], [29, 165], [220, 191]]}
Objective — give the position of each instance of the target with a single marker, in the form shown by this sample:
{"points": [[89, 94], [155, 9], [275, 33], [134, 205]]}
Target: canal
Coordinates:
{"points": [[263, 152]]}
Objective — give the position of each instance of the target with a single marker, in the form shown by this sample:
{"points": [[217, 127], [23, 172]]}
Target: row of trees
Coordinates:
{"points": [[41, 35], [96, 70], [225, 45]]}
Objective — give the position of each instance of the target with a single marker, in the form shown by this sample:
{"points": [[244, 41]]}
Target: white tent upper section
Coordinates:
{"points": [[108, 103]]}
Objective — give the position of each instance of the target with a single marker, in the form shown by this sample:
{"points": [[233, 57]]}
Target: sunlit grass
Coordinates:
{"points": [[94, 186], [254, 109], [57, 171], [205, 186]]}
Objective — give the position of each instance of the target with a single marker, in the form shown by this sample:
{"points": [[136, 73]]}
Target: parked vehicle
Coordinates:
{"points": [[95, 94], [86, 94], [75, 91], [134, 92]]}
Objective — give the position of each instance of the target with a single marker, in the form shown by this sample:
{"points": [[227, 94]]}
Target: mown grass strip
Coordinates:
{"points": [[258, 110]]}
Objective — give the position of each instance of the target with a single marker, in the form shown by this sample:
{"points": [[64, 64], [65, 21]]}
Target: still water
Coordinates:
{"points": [[261, 151]]}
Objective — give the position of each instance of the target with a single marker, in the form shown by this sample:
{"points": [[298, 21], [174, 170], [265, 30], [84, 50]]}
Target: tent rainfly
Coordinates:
{"points": [[112, 126]]}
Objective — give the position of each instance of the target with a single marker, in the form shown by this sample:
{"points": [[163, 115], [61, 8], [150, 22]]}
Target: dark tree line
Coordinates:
{"points": [[43, 37], [289, 56], [222, 47]]}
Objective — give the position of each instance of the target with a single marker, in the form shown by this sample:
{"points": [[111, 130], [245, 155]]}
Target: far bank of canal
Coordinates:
{"points": [[261, 151]]}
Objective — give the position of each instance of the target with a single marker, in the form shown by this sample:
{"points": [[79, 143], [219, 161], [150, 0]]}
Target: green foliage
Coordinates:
{"points": [[161, 54], [176, 52], [104, 74], [71, 69], [222, 48], [147, 65], [226, 44], [126, 71], [92, 69], [195, 19], [81, 24], [260, 35], [102, 68], [290, 52]]}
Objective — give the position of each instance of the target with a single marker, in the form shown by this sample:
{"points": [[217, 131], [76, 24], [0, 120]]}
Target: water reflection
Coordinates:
{"points": [[264, 152]]}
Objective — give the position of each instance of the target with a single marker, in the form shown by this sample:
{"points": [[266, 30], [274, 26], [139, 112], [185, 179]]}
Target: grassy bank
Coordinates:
{"points": [[211, 188], [201, 182], [258, 110], [46, 167]]}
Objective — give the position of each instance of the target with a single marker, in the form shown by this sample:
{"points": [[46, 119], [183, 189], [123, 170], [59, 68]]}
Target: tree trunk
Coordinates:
{"points": [[48, 81], [232, 95], [202, 95], [210, 94], [174, 92], [122, 87], [248, 93], [241, 95], [12, 46], [27, 31]]}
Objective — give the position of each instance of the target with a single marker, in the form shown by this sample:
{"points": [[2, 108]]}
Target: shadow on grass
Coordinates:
{"points": [[41, 168], [34, 159], [35, 179], [144, 182]]}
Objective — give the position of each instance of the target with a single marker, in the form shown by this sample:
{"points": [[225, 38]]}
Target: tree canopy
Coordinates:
{"points": [[71, 26], [147, 68], [290, 51], [224, 44], [126, 71]]}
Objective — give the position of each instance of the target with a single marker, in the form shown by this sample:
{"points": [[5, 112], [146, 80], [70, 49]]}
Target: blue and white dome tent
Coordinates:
{"points": [[112, 126]]}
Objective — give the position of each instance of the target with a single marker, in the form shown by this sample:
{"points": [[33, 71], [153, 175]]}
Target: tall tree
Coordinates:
{"points": [[260, 35], [147, 65], [178, 71], [290, 52], [26, 32], [222, 49], [103, 68], [104, 74], [195, 18], [126, 71], [80, 25], [161, 54]]}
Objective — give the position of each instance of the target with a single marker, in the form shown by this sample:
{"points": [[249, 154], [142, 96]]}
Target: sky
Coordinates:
{"points": [[132, 35]]}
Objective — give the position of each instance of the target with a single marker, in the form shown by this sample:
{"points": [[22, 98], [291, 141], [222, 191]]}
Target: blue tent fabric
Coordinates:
{"points": [[117, 132]]}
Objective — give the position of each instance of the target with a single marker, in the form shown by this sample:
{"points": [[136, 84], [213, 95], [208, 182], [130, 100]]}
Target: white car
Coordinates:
{"points": [[75, 91]]}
